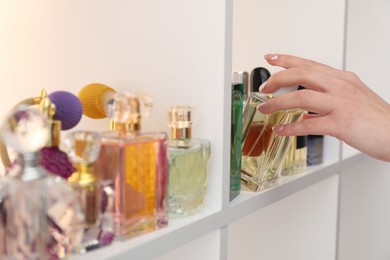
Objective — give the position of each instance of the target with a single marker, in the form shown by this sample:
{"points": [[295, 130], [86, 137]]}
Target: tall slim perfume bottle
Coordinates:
{"points": [[238, 87], [133, 166], [263, 151], [188, 164], [315, 149], [295, 160], [40, 215], [83, 148]]}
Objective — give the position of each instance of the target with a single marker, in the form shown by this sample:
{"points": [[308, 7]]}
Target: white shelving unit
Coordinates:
{"points": [[185, 230], [182, 52]]}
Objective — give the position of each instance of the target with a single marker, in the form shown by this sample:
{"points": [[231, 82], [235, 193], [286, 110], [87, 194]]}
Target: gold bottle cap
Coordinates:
{"points": [[180, 121]]}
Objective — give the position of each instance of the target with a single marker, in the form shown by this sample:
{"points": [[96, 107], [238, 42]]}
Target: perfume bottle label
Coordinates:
{"points": [[140, 179], [136, 168]]}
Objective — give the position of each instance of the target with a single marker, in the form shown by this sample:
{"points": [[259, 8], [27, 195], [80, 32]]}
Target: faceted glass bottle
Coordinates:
{"points": [[263, 151], [188, 164], [40, 215], [133, 168]]}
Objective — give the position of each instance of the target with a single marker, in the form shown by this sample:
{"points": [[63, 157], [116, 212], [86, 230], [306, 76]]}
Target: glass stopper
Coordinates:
{"points": [[82, 146], [26, 130]]}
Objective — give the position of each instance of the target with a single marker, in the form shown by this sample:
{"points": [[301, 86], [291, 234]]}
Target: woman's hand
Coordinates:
{"points": [[345, 107]]}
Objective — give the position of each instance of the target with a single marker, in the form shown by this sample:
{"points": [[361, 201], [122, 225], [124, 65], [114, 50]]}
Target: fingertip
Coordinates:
{"points": [[278, 129], [263, 86], [271, 57]]}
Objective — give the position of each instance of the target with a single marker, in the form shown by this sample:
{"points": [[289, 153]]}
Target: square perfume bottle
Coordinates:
{"points": [[188, 164], [263, 151], [133, 168]]}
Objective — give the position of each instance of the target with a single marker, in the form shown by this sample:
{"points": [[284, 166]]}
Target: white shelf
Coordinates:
{"points": [[183, 230]]}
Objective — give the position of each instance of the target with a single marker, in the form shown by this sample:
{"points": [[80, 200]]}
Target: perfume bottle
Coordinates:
{"points": [[83, 148], [315, 147], [40, 215], [263, 151], [188, 164], [238, 89], [295, 159], [133, 168]]}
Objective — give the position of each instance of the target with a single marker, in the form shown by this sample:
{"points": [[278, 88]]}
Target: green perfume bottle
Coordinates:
{"points": [[239, 85], [188, 164]]}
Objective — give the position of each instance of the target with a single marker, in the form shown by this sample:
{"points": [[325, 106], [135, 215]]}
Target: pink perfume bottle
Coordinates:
{"points": [[133, 167], [40, 217]]}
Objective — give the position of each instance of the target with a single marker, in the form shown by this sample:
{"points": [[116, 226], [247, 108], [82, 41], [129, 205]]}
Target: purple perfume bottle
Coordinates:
{"points": [[133, 166], [40, 217]]}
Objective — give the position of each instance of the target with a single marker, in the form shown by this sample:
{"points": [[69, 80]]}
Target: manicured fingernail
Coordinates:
{"points": [[262, 105], [271, 57], [262, 86], [278, 128]]}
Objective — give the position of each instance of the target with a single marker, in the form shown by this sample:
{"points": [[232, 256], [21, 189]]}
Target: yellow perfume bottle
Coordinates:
{"points": [[83, 148], [188, 164], [295, 160], [263, 151]]}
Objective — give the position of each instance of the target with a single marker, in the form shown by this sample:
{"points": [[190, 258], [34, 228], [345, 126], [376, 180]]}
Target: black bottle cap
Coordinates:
{"points": [[258, 76]]}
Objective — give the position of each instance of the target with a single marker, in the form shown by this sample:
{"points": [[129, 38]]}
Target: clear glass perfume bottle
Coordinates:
{"points": [[263, 151], [238, 88], [188, 164], [295, 159], [40, 215], [133, 167]]}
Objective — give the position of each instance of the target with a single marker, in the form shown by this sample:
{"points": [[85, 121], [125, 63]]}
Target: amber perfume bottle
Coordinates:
{"points": [[295, 159], [83, 148], [188, 164], [239, 85], [263, 151], [133, 167], [40, 215]]}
